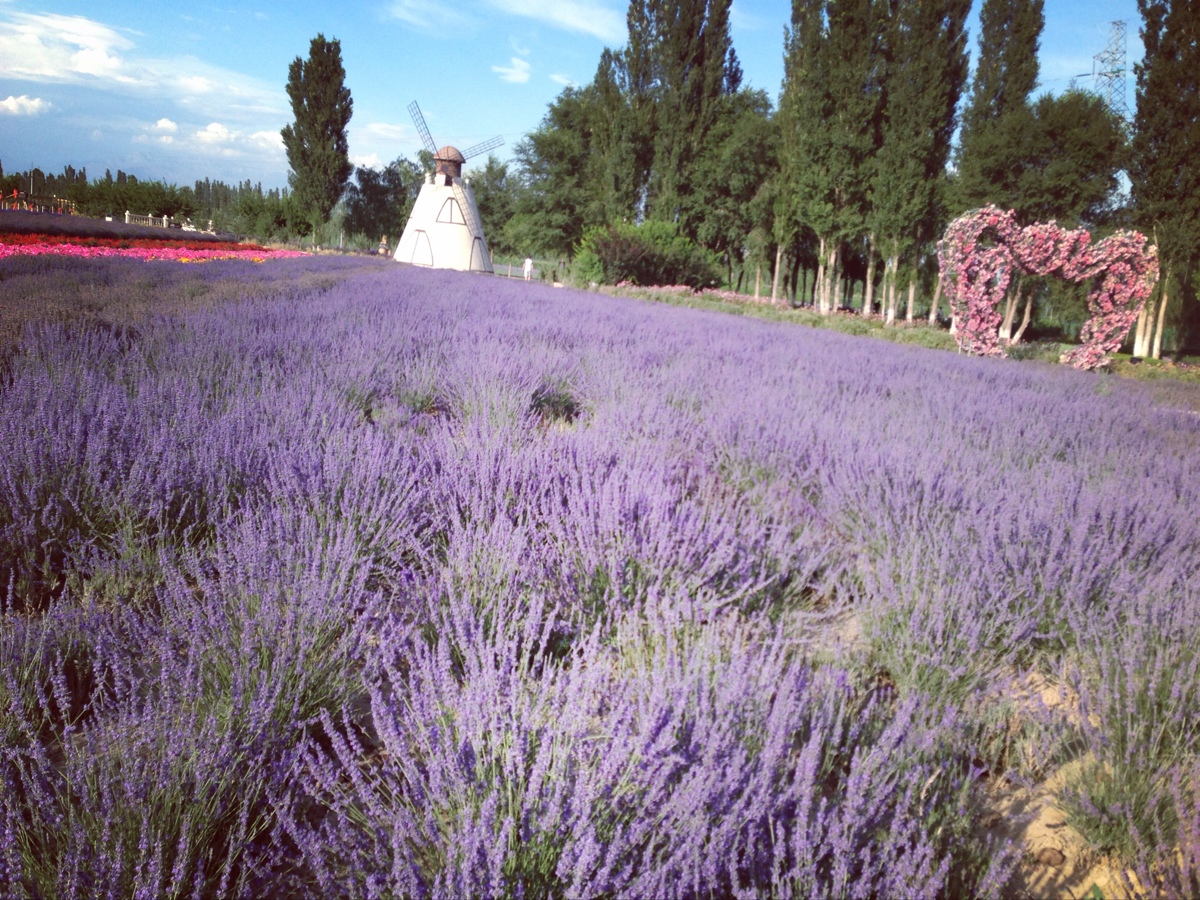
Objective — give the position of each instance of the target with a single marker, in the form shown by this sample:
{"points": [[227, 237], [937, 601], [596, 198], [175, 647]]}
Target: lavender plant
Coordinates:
{"points": [[706, 762], [377, 580], [1138, 680]]}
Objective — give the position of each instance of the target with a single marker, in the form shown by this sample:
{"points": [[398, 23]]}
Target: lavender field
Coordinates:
{"points": [[332, 579]]}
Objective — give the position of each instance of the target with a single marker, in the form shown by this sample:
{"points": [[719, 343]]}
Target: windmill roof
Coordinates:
{"points": [[449, 154]]}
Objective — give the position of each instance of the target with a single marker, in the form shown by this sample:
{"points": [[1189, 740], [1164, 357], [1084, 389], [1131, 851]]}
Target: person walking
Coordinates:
{"points": [[527, 270]]}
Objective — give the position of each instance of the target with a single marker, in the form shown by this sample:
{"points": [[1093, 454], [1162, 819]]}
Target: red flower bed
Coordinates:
{"points": [[188, 251], [21, 240]]}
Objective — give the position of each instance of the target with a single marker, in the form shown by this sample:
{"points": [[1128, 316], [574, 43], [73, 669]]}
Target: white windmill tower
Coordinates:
{"points": [[444, 230]]}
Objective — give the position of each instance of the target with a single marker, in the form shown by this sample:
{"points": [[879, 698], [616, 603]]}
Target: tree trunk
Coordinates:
{"points": [[819, 283], [912, 298], [890, 276], [757, 279], [1162, 317], [775, 279], [1010, 311], [835, 278], [1141, 331], [937, 298], [1024, 318], [869, 283]]}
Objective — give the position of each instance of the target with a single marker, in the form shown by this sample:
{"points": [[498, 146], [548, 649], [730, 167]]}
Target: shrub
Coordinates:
{"points": [[652, 253]]}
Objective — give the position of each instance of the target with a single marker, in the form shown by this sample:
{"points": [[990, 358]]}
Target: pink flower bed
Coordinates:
{"points": [[168, 253]]}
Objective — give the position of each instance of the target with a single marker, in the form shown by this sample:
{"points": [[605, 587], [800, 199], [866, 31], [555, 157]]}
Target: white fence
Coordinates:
{"points": [[131, 219], [162, 222]]}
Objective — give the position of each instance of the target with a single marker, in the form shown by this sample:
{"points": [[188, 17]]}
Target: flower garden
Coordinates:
{"points": [[367, 580], [185, 251]]}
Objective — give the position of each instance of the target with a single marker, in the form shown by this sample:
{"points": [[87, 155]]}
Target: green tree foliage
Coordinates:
{"points": [[316, 142], [653, 253], [1005, 77], [732, 177], [829, 122], [1164, 177], [495, 197], [1057, 158], [633, 142], [681, 64], [378, 201], [925, 57], [551, 208], [245, 209], [621, 142]]}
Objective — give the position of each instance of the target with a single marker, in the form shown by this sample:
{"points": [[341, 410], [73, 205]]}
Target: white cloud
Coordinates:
{"points": [[23, 106], [517, 73], [564, 80], [741, 20], [215, 133], [385, 131], [427, 17], [267, 140], [77, 50], [196, 84], [161, 132], [51, 47], [595, 18], [366, 161]]}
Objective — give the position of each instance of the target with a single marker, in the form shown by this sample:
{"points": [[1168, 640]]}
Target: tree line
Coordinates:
{"points": [[243, 208], [835, 198], [883, 134]]}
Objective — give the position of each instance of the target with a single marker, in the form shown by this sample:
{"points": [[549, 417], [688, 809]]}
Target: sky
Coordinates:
{"points": [[175, 91]]}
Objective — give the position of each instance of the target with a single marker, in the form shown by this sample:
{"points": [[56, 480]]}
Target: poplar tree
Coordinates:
{"points": [[829, 121], [998, 122], [316, 145], [621, 147], [925, 52], [1166, 144], [1005, 78], [681, 63]]}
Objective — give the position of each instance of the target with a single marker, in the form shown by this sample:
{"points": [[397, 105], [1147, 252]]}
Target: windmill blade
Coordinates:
{"points": [[422, 129], [468, 214], [490, 144]]}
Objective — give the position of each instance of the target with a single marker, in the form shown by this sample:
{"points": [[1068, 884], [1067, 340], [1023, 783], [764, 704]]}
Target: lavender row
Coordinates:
{"points": [[410, 582]]}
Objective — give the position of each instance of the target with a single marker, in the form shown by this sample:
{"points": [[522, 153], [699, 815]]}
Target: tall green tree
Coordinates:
{"points": [[925, 53], [1006, 75], [621, 142], [1164, 177], [730, 173], [378, 201], [829, 121], [495, 195], [316, 144], [680, 63], [551, 208]]}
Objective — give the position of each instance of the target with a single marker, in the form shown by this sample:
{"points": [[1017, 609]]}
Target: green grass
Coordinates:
{"points": [[1185, 370]]}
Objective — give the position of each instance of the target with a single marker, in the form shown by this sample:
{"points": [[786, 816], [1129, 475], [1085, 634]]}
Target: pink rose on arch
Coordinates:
{"points": [[980, 250]]}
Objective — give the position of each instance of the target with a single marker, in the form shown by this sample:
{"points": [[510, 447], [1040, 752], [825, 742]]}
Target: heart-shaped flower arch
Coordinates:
{"points": [[981, 248]]}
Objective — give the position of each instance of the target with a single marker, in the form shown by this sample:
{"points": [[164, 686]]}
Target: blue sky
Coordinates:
{"points": [[180, 91]]}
